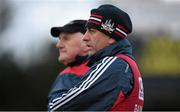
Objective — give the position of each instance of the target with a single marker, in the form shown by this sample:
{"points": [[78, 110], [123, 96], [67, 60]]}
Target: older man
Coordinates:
{"points": [[73, 53]]}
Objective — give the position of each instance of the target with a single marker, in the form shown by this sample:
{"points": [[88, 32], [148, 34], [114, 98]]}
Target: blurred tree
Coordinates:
{"points": [[5, 14], [27, 89], [161, 56], [137, 45]]}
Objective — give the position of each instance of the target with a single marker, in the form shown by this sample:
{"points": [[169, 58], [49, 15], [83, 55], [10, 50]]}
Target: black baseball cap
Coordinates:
{"points": [[71, 27]]}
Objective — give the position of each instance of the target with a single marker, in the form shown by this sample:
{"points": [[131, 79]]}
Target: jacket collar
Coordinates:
{"points": [[79, 60], [121, 47]]}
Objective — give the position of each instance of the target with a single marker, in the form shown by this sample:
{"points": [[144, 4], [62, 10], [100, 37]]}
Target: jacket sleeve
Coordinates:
{"points": [[99, 89], [63, 83]]}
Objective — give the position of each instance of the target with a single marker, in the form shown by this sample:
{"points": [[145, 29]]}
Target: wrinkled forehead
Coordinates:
{"points": [[68, 36], [65, 35]]}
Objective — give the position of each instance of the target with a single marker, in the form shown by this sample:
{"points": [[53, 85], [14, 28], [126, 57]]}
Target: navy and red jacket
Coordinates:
{"points": [[68, 78], [112, 83]]}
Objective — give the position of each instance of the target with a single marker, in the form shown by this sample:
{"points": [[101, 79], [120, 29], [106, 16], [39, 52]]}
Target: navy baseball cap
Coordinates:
{"points": [[71, 27]]}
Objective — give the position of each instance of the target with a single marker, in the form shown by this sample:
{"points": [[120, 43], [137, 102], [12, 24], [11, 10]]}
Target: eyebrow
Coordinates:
{"points": [[66, 37]]}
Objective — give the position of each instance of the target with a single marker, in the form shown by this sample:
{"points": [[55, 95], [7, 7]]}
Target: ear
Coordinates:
{"points": [[111, 40]]}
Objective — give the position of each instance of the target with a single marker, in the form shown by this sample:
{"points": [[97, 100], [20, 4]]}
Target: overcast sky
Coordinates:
{"points": [[28, 34]]}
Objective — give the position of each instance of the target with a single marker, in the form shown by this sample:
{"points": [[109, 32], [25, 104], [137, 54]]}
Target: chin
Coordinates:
{"points": [[62, 61], [90, 53], [59, 60]]}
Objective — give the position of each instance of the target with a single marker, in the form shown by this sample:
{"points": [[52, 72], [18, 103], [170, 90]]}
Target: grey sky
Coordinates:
{"points": [[28, 34]]}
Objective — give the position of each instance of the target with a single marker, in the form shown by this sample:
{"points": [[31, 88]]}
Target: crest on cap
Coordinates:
{"points": [[108, 26]]}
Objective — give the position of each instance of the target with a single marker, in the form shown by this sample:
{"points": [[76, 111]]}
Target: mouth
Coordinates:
{"points": [[62, 50], [89, 46]]}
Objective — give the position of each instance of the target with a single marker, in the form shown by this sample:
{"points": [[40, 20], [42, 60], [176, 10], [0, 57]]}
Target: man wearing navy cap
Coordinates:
{"points": [[113, 82], [72, 53]]}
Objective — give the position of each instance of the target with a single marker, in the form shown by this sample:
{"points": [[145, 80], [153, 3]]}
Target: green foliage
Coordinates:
{"points": [[161, 56]]}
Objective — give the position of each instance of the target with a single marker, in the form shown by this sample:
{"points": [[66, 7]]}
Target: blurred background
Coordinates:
{"points": [[28, 56]]}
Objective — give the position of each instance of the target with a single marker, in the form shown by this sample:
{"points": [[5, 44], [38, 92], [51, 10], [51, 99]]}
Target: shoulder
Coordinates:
{"points": [[79, 70], [113, 63], [114, 71], [112, 66]]}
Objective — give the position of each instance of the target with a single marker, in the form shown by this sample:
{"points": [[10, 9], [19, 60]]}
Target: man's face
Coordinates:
{"points": [[70, 45], [96, 40]]}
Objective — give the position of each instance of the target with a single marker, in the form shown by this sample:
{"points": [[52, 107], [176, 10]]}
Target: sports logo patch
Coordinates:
{"points": [[108, 26]]}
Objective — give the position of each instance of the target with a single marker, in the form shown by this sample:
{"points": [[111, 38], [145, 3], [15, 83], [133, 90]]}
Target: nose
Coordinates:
{"points": [[86, 36], [59, 44]]}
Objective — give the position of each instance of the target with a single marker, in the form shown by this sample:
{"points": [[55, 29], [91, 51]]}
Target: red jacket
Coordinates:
{"points": [[135, 101]]}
